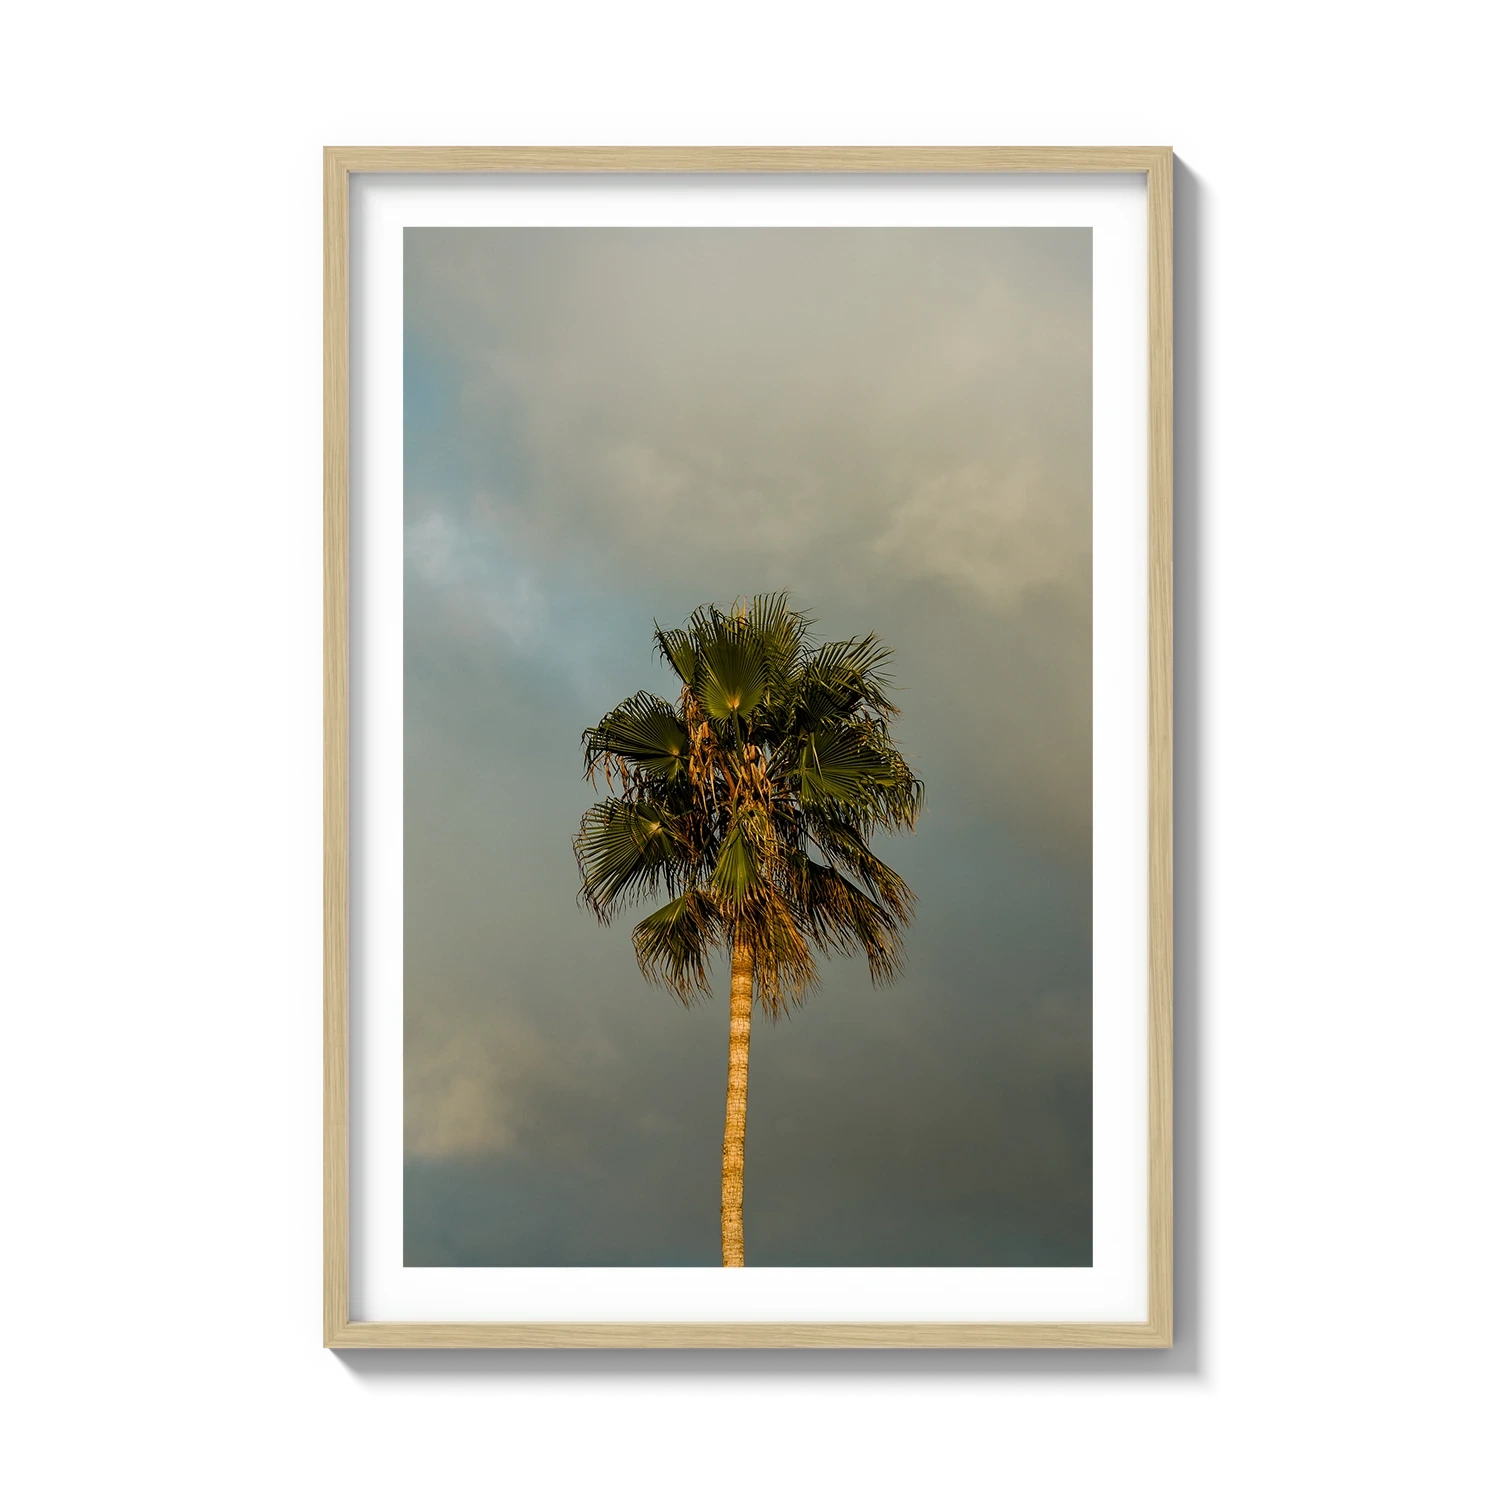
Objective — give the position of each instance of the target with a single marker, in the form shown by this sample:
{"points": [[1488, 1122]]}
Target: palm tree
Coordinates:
{"points": [[750, 804]]}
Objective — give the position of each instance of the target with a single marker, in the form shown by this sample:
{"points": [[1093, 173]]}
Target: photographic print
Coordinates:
{"points": [[748, 747]]}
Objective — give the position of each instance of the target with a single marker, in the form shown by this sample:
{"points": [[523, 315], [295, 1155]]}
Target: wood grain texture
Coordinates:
{"points": [[748, 1336], [335, 747], [823, 159], [338, 1330]]}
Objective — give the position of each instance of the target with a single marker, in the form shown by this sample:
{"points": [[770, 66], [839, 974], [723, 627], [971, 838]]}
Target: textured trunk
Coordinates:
{"points": [[731, 1219]]}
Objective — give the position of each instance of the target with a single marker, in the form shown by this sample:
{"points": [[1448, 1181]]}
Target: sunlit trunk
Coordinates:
{"points": [[731, 1220]]}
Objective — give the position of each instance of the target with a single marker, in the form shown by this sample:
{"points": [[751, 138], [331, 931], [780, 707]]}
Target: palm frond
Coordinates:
{"points": [[841, 918], [675, 647], [644, 731], [736, 870], [783, 966], [778, 748], [729, 678], [902, 802], [623, 849], [852, 770], [838, 765], [782, 632], [845, 849], [856, 670], [674, 946]]}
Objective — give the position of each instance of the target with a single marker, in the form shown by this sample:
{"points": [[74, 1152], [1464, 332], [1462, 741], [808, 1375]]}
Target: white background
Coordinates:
{"points": [[1339, 539], [1114, 1286]]}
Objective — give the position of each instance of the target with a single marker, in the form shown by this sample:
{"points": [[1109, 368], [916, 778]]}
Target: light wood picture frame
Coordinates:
{"points": [[341, 164]]}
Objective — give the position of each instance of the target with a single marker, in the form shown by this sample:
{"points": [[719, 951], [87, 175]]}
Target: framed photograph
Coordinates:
{"points": [[748, 765]]}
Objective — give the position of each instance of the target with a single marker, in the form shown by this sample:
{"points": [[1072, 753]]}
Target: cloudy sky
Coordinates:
{"points": [[606, 427]]}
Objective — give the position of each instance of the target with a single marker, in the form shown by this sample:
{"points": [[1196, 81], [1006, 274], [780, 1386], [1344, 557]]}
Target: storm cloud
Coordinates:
{"points": [[610, 427]]}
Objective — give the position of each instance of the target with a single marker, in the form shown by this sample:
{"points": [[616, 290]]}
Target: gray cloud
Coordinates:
{"points": [[609, 426]]}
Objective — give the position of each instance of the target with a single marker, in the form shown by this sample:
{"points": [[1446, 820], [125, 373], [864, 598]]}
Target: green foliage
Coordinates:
{"points": [[672, 945], [751, 802], [647, 731], [729, 675]]}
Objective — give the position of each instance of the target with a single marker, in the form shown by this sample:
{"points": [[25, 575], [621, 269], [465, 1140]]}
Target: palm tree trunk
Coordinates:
{"points": [[731, 1218]]}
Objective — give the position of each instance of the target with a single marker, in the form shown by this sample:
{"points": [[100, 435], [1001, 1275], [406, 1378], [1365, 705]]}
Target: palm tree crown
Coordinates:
{"points": [[750, 803]]}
